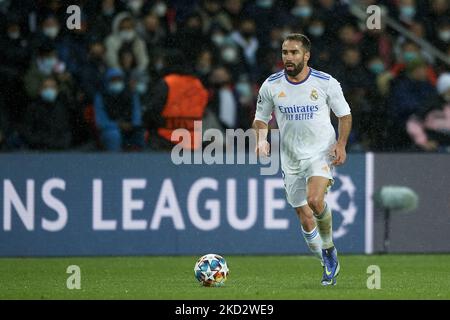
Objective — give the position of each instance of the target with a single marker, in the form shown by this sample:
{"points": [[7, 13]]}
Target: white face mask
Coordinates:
{"points": [[141, 87], [51, 32], [160, 9], [229, 55], [218, 39], [444, 35], [127, 35], [14, 35], [135, 5]]}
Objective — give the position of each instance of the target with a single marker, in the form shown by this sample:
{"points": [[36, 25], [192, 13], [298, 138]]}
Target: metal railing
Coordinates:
{"points": [[359, 11]]}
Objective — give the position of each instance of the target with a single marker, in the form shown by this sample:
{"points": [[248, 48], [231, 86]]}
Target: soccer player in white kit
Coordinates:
{"points": [[301, 99]]}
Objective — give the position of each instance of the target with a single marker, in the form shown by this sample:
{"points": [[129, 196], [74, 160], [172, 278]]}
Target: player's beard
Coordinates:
{"points": [[297, 69]]}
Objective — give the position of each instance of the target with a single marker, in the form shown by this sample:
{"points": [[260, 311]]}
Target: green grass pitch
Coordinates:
{"points": [[251, 277]]}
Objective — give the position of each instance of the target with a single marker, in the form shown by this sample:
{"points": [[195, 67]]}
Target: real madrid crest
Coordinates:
{"points": [[314, 95]]}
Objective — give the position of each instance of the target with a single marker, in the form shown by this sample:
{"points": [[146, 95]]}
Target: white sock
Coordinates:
{"points": [[314, 242], [325, 225]]}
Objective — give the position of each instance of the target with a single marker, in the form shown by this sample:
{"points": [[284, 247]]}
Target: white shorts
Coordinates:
{"points": [[295, 184]]}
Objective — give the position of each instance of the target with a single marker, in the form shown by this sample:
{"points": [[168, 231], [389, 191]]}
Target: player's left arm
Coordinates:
{"points": [[341, 109]]}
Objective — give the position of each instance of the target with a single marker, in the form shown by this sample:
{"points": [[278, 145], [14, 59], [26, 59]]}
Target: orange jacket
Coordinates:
{"points": [[186, 102]]}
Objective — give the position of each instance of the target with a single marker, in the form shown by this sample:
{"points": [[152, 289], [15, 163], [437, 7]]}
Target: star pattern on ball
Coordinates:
{"points": [[224, 267], [210, 259], [211, 270], [210, 273]]}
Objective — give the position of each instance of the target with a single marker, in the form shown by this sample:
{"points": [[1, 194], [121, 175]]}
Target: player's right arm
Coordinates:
{"points": [[262, 145], [263, 115]]}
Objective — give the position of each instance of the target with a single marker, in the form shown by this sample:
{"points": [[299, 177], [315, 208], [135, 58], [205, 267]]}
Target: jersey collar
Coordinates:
{"points": [[297, 83]]}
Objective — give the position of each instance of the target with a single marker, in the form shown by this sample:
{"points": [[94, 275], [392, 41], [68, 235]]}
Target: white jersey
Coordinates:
{"points": [[302, 111]]}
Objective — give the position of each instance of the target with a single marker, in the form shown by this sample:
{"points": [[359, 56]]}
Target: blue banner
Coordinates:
{"points": [[143, 204]]}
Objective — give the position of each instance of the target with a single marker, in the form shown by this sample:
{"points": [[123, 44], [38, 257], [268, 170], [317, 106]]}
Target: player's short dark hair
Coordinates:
{"points": [[306, 43]]}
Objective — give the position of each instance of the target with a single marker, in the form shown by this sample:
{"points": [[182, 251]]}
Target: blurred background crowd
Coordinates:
{"points": [[116, 83]]}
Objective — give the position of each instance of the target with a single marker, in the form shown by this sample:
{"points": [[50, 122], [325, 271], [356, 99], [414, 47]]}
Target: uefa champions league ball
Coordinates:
{"points": [[211, 270]]}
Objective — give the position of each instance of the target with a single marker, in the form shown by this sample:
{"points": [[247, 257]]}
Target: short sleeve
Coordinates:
{"points": [[264, 105], [336, 99]]}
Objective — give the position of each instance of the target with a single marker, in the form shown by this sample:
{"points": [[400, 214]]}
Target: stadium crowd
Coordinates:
{"points": [[104, 86]]}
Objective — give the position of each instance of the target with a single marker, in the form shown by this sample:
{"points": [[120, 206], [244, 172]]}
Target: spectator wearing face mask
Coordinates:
{"points": [[411, 52], [15, 53], [442, 36], [137, 7], [47, 120], [139, 84], [46, 64], [375, 116], [377, 70], [50, 32], [318, 33], [209, 11], [301, 13], [219, 37], [378, 42], [409, 11], [118, 114], [124, 35]]}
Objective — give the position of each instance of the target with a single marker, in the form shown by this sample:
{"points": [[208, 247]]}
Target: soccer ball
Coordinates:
{"points": [[211, 270]]}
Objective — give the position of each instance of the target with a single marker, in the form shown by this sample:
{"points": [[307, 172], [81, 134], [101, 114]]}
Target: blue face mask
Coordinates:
{"points": [[116, 87], [410, 56], [47, 65], [264, 3], [407, 11], [244, 89], [377, 67], [316, 31], [49, 94], [302, 12]]}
